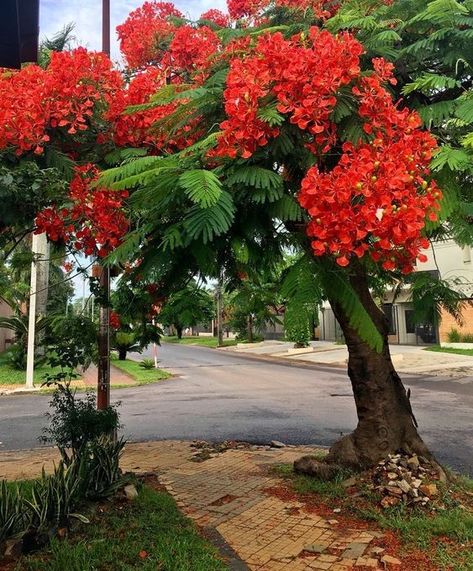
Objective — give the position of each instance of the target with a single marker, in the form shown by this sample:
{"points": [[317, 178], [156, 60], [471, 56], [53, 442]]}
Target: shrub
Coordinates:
{"points": [[124, 341], [12, 510], [100, 467], [76, 422], [54, 497], [17, 357], [147, 364], [453, 336], [467, 338]]}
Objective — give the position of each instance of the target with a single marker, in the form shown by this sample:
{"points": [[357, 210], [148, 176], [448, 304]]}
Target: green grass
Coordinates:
{"points": [[139, 374], [446, 536], [438, 349], [11, 376], [151, 526], [201, 341]]}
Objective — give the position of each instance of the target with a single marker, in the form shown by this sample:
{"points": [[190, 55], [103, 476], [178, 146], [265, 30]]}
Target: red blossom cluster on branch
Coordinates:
{"points": [[217, 17], [377, 197], [302, 74], [93, 223], [146, 33], [61, 99]]}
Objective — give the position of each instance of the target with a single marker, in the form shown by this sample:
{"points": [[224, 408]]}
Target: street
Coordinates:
{"points": [[219, 395]]}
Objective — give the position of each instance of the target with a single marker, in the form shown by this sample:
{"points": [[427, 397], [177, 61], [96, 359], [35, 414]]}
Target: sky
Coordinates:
{"points": [[86, 15]]}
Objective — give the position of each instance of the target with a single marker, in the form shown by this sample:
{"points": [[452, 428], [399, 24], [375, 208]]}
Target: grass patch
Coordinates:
{"points": [[147, 534], [139, 374], [446, 536], [438, 349], [11, 376], [199, 340]]}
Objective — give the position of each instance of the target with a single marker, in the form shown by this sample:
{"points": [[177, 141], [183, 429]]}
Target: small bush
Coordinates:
{"points": [[100, 467], [17, 357], [54, 497], [454, 336], [147, 364], [76, 422]]}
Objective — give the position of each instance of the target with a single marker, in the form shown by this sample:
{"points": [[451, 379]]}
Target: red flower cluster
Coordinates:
{"points": [[254, 9], [64, 96], [114, 320], [303, 75], [217, 17], [132, 129], [376, 199], [191, 48], [94, 221], [146, 33]]}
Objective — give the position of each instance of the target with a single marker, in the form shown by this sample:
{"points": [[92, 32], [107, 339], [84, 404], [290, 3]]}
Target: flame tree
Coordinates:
{"points": [[269, 131]]}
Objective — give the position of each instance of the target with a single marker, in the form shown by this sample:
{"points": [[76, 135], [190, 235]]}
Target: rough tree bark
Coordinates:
{"points": [[179, 331], [385, 419], [122, 354]]}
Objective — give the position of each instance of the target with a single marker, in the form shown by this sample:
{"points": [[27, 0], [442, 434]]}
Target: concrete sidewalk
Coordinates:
{"points": [[234, 496], [406, 358]]}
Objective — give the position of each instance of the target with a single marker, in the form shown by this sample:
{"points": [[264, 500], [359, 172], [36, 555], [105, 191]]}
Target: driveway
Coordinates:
{"points": [[221, 395]]}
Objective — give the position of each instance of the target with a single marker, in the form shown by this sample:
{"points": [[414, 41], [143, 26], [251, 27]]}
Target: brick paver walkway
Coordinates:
{"points": [[229, 493]]}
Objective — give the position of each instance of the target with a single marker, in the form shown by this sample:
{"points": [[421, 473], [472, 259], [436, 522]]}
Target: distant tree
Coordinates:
{"points": [[187, 308]]}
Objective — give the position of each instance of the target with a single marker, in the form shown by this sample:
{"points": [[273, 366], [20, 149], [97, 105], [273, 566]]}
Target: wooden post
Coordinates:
{"points": [[103, 380], [106, 26]]}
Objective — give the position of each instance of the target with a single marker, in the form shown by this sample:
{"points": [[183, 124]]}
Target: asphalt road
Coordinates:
{"points": [[219, 395]]}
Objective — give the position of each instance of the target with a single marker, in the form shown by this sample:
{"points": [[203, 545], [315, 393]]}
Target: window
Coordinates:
{"points": [[410, 323], [388, 310], [466, 254]]}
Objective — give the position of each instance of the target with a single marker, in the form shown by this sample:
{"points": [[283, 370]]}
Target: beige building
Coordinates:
{"points": [[6, 336], [446, 260]]}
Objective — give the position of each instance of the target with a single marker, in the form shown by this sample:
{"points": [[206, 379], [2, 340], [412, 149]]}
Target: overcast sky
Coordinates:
{"points": [[86, 15]]}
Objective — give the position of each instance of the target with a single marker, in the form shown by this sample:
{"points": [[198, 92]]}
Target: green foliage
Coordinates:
{"points": [[12, 510], [454, 336], [147, 364], [201, 186], [187, 308], [124, 341], [430, 296], [116, 535], [24, 190], [53, 497], [72, 343], [75, 422], [302, 294]]}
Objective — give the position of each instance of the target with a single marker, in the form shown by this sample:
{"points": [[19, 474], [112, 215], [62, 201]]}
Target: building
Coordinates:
{"points": [[6, 335], [447, 261]]}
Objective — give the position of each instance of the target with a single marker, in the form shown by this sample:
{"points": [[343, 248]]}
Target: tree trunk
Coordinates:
{"points": [[179, 332], [122, 354], [385, 419], [250, 329]]}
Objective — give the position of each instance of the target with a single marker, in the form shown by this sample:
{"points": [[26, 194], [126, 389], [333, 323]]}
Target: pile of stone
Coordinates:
{"points": [[405, 478]]}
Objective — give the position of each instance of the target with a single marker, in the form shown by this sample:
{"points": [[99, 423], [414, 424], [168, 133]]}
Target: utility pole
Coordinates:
{"points": [[103, 375], [39, 248], [219, 312], [103, 381]]}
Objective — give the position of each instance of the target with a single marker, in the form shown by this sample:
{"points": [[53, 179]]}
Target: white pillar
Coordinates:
{"points": [[39, 249]]}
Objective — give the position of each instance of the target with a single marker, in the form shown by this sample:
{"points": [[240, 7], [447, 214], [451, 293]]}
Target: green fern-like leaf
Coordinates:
{"points": [[201, 186], [207, 223], [257, 177], [336, 282], [430, 82]]}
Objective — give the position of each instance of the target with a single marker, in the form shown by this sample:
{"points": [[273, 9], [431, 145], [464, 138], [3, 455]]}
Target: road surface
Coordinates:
{"points": [[221, 395]]}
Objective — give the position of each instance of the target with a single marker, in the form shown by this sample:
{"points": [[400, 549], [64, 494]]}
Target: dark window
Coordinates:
{"points": [[388, 310], [410, 323]]}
